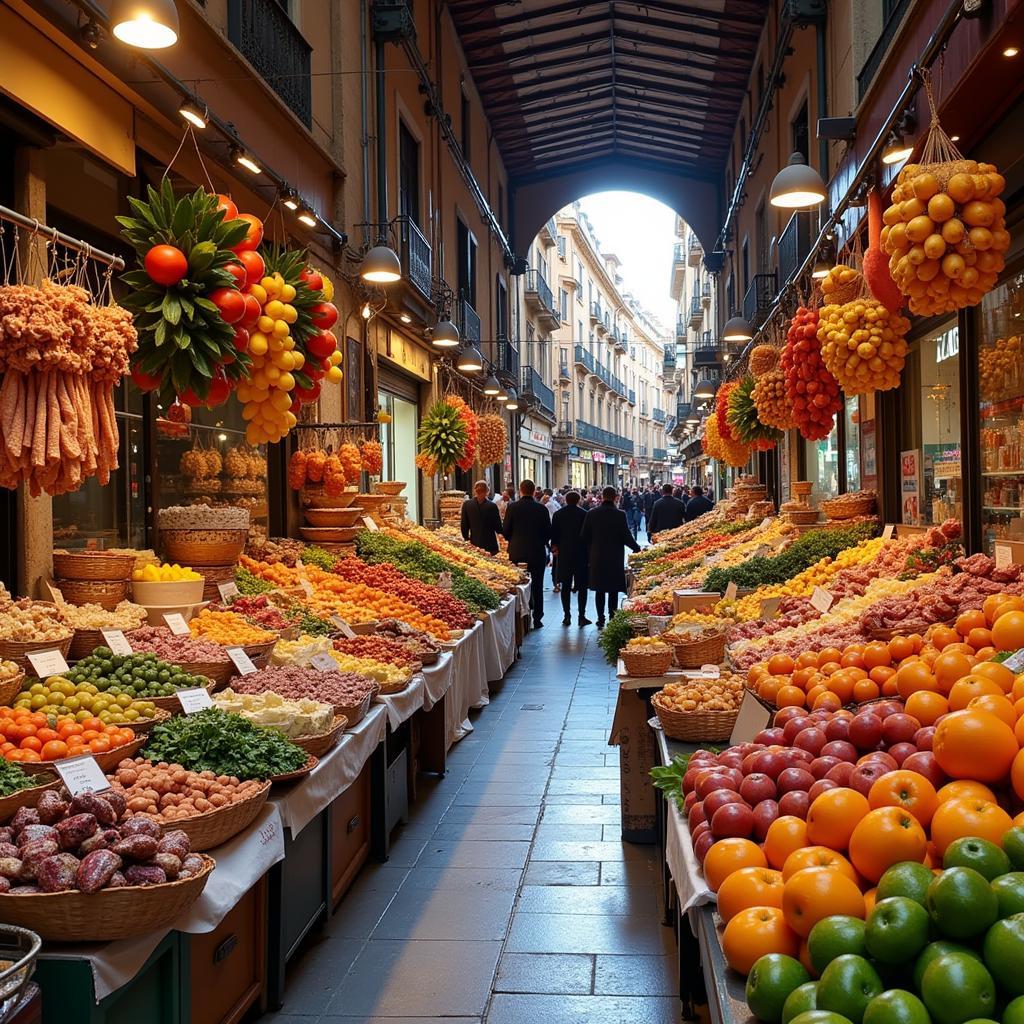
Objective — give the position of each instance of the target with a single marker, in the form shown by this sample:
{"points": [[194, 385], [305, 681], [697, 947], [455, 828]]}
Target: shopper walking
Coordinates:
{"points": [[527, 529], [669, 512], [650, 497], [606, 535], [552, 504], [481, 520], [626, 506], [570, 557], [698, 504], [503, 500]]}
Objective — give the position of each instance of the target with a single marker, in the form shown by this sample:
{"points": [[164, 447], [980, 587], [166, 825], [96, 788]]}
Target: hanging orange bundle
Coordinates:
{"points": [[351, 462], [811, 390], [334, 477], [316, 463], [372, 457], [724, 431], [297, 470]]}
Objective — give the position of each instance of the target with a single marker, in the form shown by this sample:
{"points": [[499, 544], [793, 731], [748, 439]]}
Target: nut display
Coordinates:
{"points": [[30, 621], [202, 517], [8, 670], [125, 616], [722, 694]]}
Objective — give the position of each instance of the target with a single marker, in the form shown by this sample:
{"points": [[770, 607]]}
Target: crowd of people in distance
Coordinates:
{"points": [[582, 534]]}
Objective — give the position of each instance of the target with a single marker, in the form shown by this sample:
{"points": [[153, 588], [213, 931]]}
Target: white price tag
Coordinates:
{"points": [[711, 671], [1003, 556], [82, 774], [779, 543], [770, 608], [444, 580], [176, 624], [821, 599], [343, 626], [767, 521], [369, 523], [242, 661], [228, 590], [307, 587], [116, 641], [48, 663], [323, 662], [730, 591], [1015, 662], [194, 700], [763, 551], [58, 597], [752, 718], [889, 532]]}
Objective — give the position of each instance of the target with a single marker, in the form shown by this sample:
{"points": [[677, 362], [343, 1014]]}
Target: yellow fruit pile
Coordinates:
{"points": [[164, 573], [228, 629], [999, 368], [722, 694], [771, 401], [841, 284], [863, 345], [945, 234]]}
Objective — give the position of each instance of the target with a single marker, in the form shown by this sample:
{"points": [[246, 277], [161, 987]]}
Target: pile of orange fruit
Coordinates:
{"points": [[30, 736]]}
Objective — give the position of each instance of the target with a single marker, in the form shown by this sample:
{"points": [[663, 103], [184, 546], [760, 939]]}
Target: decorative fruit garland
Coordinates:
{"points": [[443, 436], [732, 453], [492, 439], [372, 456], [722, 410], [810, 389], [465, 463], [743, 418]]}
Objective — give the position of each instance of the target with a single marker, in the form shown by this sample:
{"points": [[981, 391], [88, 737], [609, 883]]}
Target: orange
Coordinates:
{"points": [[995, 704], [784, 835], [833, 816], [881, 673], [869, 900], [1008, 631], [1019, 820], [997, 673], [964, 690], [886, 836], [753, 933], [830, 668], [780, 664], [809, 659], [749, 887], [1018, 729], [956, 819], [841, 685], [826, 701], [877, 654], [889, 688], [906, 789], [828, 654], [817, 857], [949, 667], [900, 647], [974, 745], [755, 672], [729, 855], [789, 696], [943, 636], [973, 619], [865, 689], [926, 706], [852, 659], [816, 893], [1017, 775], [990, 606], [913, 677], [768, 689], [802, 676], [979, 638], [963, 789]]}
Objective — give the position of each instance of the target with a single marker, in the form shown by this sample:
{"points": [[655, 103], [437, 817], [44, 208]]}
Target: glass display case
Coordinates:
{"points": [[821, 466]]}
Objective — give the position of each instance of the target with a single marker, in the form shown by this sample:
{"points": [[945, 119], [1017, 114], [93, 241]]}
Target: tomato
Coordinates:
{"points": [[31, 756], [314, 281], [100, 745], [253, 236], [255, 267], [15, 755], [321, 345], [253, 311], [230, 302], [31, 743], [45, 735], [237, 271], [325, 315], [54, 750], [220, 389], [166, 264], [179, 412], [146, 381], [224, 203], [310, 394], [92, 723]]}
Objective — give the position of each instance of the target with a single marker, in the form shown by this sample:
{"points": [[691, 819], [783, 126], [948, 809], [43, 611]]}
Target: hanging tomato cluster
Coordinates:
{"points": [[468, 417], [811, 390]]}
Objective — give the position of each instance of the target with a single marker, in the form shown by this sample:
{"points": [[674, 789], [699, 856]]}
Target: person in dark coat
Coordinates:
{"points": [[698, 504], [527, 529], [669, 512], [606, 535], [650, 497], [481, 522], [571, 563]]}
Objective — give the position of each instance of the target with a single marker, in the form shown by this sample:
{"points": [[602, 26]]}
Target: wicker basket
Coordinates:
{"points": [[390, 487], [107, 762], [329, 534], [108, 914], [693, 726], [18, 650], [391, 688], [333, 517], [106, 593], [259, 654], [218, 671], [319, 745], [27, 797], [906, 628], [355, 713], [209, 830], [705, 650], [172, 703], [808, 518], [646, 662], [314, 497], [203, 547], [142, 726], [847, 506], [299, 773], [92, 565], [429, 658], [10, 689]]}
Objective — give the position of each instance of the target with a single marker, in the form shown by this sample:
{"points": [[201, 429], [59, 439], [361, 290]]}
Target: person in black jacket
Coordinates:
{"points": [[571, 563], [481, 522], [669, 512], [698, 504], [606, 535], [650, 497], [528, 529]]}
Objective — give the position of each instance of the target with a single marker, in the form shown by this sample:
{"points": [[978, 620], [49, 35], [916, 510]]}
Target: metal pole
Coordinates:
{"points": [[31, 224], [382, 168]]}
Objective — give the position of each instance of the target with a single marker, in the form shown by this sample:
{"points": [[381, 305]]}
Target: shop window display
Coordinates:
{"points": [[852, 413], [821, 462], [398, 447]]}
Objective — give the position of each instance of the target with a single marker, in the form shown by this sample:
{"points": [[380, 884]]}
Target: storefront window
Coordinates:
{"points": [[821, 462], [398, 442], [1001, 388], [852, 413]]}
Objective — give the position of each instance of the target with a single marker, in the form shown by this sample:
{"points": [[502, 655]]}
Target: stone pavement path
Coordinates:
{"points": [[509, 898]]}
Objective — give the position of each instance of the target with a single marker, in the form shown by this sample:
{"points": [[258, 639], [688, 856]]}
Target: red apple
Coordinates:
{"points": [[863, 777], [838, 729], [880, 757], [764, 814], [730, 759], [720, 798], [689, 800], [885, 708], [821, 766], [799, 757], [783, 715], [702, 845], [757, 787], [732, 821], [749, 748], [821, 786], [840, 773], [696, 815], [924, 737], [748, 766], [699, 831], [924, 763], [771, 737], [811, 740], [796, 802], [821, 715], [865, 731], [899, 752], [770, 763], [794, 779], [899, 728], [794, 727], [709, 781], [844, 750]]}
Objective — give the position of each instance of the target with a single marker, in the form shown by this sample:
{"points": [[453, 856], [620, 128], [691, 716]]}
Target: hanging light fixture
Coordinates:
{"points": [[511, 401], [307, 216], [381, 265], [290, 198], [445, 335], [822, 267], [705, 388], [737, 329], [896, 149], [797, 186], [491, 386], [244, 159], [146, 24], [502, 396], [692, 420], [195, 114], [469, 360]]}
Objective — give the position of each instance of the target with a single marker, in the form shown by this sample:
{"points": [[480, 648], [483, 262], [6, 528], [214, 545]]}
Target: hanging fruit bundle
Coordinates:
{"points": [[443, 435], [841, 284], [742, 417], [876, 263], [732, 453], [811, 390], [725, 389], [426, 464], [763, 359], [372, 457], [351, 462], [492, 439], [316, 466], [771, 400], [297, 470], [469, 418], [335, 481]]}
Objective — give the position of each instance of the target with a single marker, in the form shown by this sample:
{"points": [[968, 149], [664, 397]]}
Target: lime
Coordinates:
{"points": [[971, 852], [1009, 890], [896, 1006], [957, 988], [962, 903], [897, 930], [833, 936], [908, 878], [982, 1020], [803, 998], [1013, 847], [1003, 951], [933, 951], [820, 1017], [770, 982], [847, 985], [1014, 1012]]}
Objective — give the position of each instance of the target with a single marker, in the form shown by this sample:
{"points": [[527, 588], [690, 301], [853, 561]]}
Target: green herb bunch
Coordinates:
{"points": [[615, 635]]}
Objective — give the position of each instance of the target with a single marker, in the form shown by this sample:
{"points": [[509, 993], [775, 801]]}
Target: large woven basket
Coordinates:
{"points": [[107, 762], [355, 713], [92, 565], [142, 726], [18, 650], [800, 518], [846, 506], [299, 773], [646, 663], [172, 703], [106, 593], [703, 726], [27, 797], [10, 689], [333, 517], [319, 744], [313, 496], [259, 654], [705, 650], [203, 547], [219, 671], [209, 830], [392, 688], [108, 914]]}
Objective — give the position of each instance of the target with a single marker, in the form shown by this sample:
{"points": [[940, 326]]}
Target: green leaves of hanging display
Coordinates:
{"points": [[443, 435]]}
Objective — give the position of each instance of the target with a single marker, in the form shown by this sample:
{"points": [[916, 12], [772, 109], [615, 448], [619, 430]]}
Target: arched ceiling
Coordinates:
{"points": [[654, 83]]}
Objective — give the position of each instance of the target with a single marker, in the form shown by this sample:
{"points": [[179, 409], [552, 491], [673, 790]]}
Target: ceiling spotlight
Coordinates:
{"points": [[737, 329], [405, 318], [705, 388], [511, 401], [491, 386], [381, 265], [307, 216], [146, 24], [954, 138], [193, 113], [1011, 51], [244, 159], [290, 198], [797, 186], [366, 311], [469, 360], [445, 335], [896, 149], [692, 420]]}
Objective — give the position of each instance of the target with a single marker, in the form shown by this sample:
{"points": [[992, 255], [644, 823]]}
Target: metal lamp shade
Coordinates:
{"points": [[470, 360], [381, 265], [797, 186], [491, 386], [445, 335], [737, 329], [145, 24]]}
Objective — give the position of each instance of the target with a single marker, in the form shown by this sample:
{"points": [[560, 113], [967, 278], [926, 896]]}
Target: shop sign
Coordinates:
{"points": [[947, 345], [610, 460], [48, 663], [404, 352], [176, 623], [597, 456], [535, 437], [910, 486]]}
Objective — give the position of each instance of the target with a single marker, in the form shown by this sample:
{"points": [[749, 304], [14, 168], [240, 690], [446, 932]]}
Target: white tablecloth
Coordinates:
{"points": [[437, 679], [523, 600], [469, 683], [402, 706], [499, 640], [682, 862]]}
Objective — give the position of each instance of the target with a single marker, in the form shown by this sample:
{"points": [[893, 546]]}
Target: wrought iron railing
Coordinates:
{"points": [[536, 285], [584, 358], [658, 415], [416, 256], [469, 323], [532, 384], [681, 328], [598, 435], [757, 303], [794, 245], [631, 396], [507, 358]]}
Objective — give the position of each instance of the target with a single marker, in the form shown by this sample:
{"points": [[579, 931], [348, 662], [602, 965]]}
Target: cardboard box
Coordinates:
{"points": [[637, 756]]}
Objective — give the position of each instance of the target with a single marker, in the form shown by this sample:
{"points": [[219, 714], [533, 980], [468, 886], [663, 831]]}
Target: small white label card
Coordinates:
{"points": [[1003, 556], [242, 661], [343, 626], [1015, 662], [444, 580], [116, 641], [58, 597], [323, 662], [731, 591], [176, 624], [711, 672], [889, 532], [821, 599], [767, 521], [770, 608], [752, 718], [370, 524], [228, 590], [82, 774], [197, 699], [763, 551], [47, 663]]}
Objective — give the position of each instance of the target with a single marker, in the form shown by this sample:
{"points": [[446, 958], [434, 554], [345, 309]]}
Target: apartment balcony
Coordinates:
{"points": [[706, 352], [561, 436], [631, 397], [681, 331], [619, 338], [604, 438], [705, 295], [469, 322], [678, 280], [584, 359], [607, 322], [794, 245], [669, 361], [548, 233], [696, 313], [416, 257], [757, 303], [270, 41], [540, 301], [596, 316], [563, 372], [532, 384], [670, 424], [507, 356], [659, 454], [658, 415], [694, 252]]}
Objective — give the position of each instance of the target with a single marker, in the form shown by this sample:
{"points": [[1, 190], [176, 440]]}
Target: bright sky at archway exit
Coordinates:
{"points": [[640, 231]]}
